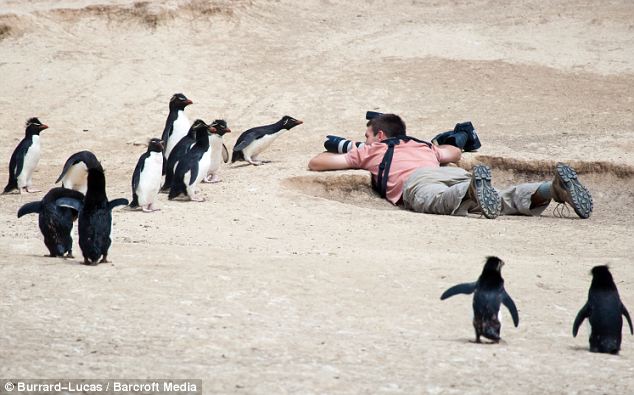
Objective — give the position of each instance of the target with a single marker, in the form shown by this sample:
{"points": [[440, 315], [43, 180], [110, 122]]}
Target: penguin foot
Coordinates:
{"points": [[211, 179], [196, 199], [69, 256], [150, 209], [30, 190], [255, 162], [87, 262], [104, 259]]}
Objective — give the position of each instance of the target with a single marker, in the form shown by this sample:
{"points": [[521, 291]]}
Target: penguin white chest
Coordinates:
{"points": [[31, 160], [150, 179], [203, 165], [215, 143], [259, 145], [76, 178], [179, 130]]}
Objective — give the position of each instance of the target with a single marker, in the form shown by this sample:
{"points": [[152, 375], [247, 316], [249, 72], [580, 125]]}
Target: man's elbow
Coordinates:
{"points": [[450, 154], [314, 165]]}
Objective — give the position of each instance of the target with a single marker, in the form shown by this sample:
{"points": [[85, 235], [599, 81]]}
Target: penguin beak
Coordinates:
{"points": [[298, 122], [43, 127], [188, 102], [227, 130]]}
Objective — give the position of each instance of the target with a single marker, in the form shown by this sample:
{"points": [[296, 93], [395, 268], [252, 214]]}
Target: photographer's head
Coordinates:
{"points": [[383, 127]]}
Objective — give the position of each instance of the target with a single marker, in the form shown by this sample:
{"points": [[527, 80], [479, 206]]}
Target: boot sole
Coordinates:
{"points": [[580, 198], [486, 195]]}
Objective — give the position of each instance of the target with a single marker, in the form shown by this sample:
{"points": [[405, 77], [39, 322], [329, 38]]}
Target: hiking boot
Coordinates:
{"points": [[481, 191], [566, 188]]}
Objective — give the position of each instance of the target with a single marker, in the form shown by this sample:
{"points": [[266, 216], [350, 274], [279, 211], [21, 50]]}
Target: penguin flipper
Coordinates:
{"points": [[464, 288], [240, 145], [72, 161], [627, 317], [15, 166], [582, 315], [225, 153], [118, 202], [18, 162], [70, 203], [508, 302], [194, 173], [136, 176], [30, 208], [169, 128]]}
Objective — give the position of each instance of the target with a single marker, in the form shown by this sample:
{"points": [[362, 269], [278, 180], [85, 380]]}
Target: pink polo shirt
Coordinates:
{"points": [[408, 156]]}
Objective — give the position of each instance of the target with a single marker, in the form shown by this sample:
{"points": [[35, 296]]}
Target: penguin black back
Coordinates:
{"points": [[95, 219], [57, 211], [604, 310], [488, 294]]}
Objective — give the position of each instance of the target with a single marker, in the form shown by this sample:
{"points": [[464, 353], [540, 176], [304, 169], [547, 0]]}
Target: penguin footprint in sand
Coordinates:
{"points": [[75, 173], [251, 143], [57, 211], [146, 179], [604, 310], [95, 220], [488, 294], [25, 158]]}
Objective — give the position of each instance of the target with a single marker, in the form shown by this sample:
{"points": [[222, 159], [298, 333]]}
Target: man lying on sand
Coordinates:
{"points": [[408, 170]]}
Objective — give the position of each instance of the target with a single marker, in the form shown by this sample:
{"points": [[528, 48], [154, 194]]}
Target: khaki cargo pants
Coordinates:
{"points": [[441, 190]]}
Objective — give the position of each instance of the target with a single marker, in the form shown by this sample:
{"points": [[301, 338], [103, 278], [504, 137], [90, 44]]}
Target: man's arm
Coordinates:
{"points": [[448, 154], [328, 161]]}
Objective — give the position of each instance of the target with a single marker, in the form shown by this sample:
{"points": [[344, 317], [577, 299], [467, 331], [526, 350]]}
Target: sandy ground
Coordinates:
{"points": [[287, 281]]}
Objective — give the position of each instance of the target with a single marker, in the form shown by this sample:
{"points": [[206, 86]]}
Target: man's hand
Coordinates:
{"points": [[328, 161]]}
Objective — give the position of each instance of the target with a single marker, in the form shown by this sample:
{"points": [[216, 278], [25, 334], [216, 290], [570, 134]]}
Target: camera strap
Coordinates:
{"points": [[380, 185]]}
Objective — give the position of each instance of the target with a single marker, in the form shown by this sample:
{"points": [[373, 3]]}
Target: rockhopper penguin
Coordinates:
{"points": [[25, 158], [75, 172], [218, 128], [218, 151], [604, 310], [488, 294], [252, 142], [95, 220], [177, 123], [193, 166], [57, 211], [146, 179]]}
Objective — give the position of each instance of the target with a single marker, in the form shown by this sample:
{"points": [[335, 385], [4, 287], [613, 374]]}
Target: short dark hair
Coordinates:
{"points": [[391, 124]]}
